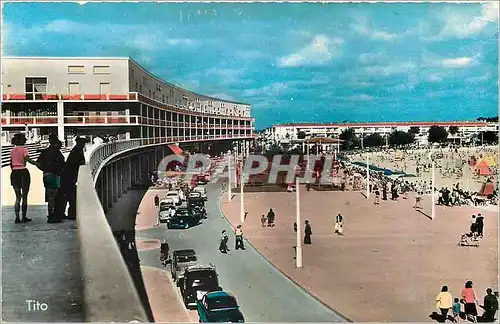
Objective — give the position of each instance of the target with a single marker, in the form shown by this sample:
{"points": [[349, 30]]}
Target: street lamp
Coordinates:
{"points": [[433, 193], [229, 194], [242, 203], [367, 177], [298, 248]]}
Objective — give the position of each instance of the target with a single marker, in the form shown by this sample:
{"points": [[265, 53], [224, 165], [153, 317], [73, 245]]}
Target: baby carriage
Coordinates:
{"points": [[469, 240]]}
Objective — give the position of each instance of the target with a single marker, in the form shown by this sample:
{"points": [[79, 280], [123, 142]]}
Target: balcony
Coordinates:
{"points": [[80, 120], [132, 96]]}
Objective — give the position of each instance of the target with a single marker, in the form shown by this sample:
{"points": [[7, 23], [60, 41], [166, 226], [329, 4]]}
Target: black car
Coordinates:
{"points": [[196, 282], [183, 218], [181, 260]]}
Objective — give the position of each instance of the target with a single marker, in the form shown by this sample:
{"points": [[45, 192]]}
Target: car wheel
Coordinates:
{"points": [[186, 226]]}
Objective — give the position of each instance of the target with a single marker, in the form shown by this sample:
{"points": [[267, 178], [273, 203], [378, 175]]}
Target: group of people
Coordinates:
{"points": [[59, 177], [445, 302], [224, 239]]}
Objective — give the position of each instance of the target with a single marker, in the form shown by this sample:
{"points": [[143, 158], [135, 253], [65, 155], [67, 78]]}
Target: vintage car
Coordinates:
{"points": [[181, 260], [202, 191], [197, 206], [166, 209], [201, 179], [174, 195], [196, 282], [183, 219], [219, 307]]}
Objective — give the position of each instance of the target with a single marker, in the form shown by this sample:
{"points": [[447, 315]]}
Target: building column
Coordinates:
{"points": [[108, 187], [129, 178], [119, 178], [60, 121]]}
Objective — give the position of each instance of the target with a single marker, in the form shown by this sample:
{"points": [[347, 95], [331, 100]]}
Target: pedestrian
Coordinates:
{"points": [[479, 225], [270, 218], [157, 202], [263, 220], [339, 219], [384, 191], [418, 199], [223, 242], [51, 162], [20, 176], [164, 252], [239, 238], [295, 227], [69, 178], [473, 226], [307, 233], [377, 197], [456, 310], [444, 302], [469, 296], [490, 306]]}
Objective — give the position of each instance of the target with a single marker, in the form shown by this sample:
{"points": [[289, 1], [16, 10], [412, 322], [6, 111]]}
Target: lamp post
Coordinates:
{"points": [[242, 203], [229, 194], [367, 177], [298, 248], [433, 192]]}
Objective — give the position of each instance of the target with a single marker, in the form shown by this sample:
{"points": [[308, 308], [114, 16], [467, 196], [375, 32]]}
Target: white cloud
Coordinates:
{"points": [[361, 97], [225, 76], [370, 58], [272, 90], [390, 69], [251, 55], [464, 24], [457, 62], [321, 50], [479, 79], [361, 27]]}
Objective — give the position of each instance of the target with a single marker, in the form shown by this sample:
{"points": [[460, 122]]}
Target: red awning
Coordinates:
{"points": [[175, 149]]}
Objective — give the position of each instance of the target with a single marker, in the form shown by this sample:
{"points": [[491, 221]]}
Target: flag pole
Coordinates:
{"points": [[367, 177], [433, 210], [229, 194], [298, 249], [242, 204]]}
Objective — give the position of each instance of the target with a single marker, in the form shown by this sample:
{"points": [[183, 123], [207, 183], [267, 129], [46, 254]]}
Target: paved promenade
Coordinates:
{"points": [[40, 261], [392, 261]]}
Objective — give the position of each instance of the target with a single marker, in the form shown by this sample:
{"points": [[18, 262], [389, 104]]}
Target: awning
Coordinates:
{"points": [[175, 149]]}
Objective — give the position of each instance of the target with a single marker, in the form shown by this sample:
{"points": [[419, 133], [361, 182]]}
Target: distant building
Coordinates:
{"points": [[288, 132], [111, 95]]}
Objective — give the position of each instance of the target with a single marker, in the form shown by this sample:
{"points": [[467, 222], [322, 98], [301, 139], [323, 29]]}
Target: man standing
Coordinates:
{"points": [[51, 162], [339, 224], [490, 306], [270, 218], [239, 238], [479, 225], [307, 233], [157, 201], [69, 178]]}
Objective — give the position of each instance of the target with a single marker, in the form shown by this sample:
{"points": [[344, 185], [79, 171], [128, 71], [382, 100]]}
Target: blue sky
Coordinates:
{"points": [[293, 62]]}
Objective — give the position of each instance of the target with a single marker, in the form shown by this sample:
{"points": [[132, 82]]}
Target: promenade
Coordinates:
{"points": [[392, 261], [40, 261]]}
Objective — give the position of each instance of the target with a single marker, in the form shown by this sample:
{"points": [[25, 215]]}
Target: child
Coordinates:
{"points": [[263, 220], [456, 310], [377, 197]]}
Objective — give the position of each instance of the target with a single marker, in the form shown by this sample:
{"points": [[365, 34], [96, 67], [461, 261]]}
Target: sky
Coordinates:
{"points": [[293, 62]]}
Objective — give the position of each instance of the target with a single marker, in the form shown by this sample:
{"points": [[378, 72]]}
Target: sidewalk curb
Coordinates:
{"points": [[281, 271]]}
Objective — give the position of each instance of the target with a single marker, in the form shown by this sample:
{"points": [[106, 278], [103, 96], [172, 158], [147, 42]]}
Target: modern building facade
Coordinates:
{"points": [[112, 96], [284, 132]]}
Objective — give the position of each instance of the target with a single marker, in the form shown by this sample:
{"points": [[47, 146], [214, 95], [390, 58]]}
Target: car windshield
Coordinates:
{"points": [[222, 302], [186, 258], [164, 207], [181, 212], [172, 194], [202, 278]]}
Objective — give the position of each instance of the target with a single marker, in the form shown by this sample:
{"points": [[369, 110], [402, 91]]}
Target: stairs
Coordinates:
{"points": [[33, 149]]}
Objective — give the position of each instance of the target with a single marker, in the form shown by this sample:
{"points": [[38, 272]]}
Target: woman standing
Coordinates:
{"points": [[444, 302], [307, 233], [223, 242], [469, 295], [20, 177]]}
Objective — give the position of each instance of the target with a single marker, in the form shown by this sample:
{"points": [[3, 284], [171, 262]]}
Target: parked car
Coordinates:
{"points": [[197, 206], [219, 307], [201, 179], [196, 282], [181, 260], [202, 191], [174, 195], [166, 209], [183, 219]]}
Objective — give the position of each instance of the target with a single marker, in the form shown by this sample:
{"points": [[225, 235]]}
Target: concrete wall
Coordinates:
{"points": [[15, 70]]}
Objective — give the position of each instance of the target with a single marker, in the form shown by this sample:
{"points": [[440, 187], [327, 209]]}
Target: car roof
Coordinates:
{"points": [[216, 294], [185, 252]]}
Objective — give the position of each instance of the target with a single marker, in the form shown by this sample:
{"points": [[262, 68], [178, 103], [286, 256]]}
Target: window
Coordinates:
{"points": [[163, 98], [76, 69], [149, 93], [140, 88], [154, 95], [74, 88], [136, 86], [102, 69], [35, 87], [104, 88], [132, 73]]}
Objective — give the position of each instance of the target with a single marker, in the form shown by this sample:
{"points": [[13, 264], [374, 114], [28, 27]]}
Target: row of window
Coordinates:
{"points": [[97, 69]]}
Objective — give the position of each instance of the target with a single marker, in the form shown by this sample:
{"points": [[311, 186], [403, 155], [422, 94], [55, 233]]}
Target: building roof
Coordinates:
{"points": [[381, 124], [48, 58]]}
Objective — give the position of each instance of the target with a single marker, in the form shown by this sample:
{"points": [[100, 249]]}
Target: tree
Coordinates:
{"points": [[374, 139], [350, 139], [453, 130], [301, 135], [490, 137], [414, 130], [400, 138], [437, 134]]}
